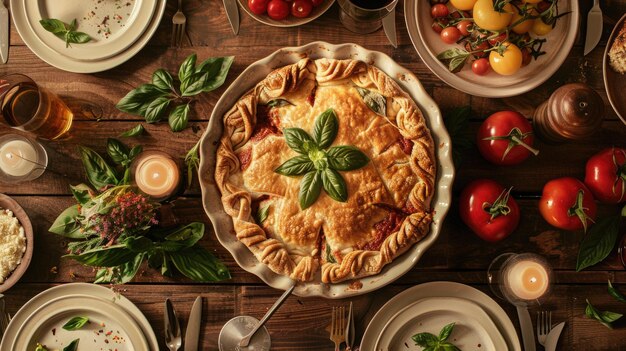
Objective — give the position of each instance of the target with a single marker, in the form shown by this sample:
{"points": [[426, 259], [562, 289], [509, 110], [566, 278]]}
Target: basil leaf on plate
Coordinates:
{"points": [[198, 264], [156, 108], [444, 334], [53, 25], [163, 80], [117, 150], [325, 128], [298, 140], [375, 101], [615, 293], [598, 243], [73, 346], [72, 37], [425, 339], [261, 214], [187, 68], [346, 158], [75, 323], [454, 58], [178, 118], [40, 347], [310, 189], [99, 173], [334, 185], [278, 103], [135, 131], [296, 166]]}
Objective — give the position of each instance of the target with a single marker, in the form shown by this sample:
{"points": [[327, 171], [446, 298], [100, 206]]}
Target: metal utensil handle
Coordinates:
{"points": [[246, 339], [527, 328]]}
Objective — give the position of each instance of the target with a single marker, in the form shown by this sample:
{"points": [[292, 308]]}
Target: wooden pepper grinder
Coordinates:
{"points": [[573, 112]]}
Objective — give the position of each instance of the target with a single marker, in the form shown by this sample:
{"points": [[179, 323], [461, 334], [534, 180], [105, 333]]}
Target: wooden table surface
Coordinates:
{"points": [[458, 255]]}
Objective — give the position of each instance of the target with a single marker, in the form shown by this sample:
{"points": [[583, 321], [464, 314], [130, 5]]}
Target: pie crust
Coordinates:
{"points": [[388, 206]]}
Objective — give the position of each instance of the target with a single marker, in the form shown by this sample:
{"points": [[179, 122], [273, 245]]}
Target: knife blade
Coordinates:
{"points": [[594, 27], [553, 337], [389, 26], [192, 334], [350, 329], [232, 11], [4, 32], [528, 335]]}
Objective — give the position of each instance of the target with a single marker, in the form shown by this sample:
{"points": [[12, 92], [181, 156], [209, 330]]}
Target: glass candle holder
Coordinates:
{"points": [[522, 279], [21, 159], [157, 174]]}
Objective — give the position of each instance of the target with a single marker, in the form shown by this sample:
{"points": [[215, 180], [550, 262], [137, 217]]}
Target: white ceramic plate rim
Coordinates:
{"points": [[291, 21], [73, 289], [222, 223], [441, 289], [54, 59], [474, 88], [466, 308], [106, 308]]}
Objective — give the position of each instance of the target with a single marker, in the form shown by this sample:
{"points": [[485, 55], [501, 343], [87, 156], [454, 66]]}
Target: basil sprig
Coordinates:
{"points": [[318, 163], [431, 342], [606, 318], [192, 161], [615, 293], [162, 94], [100, 173], [65, 31], [75, 323], [136, 131]]}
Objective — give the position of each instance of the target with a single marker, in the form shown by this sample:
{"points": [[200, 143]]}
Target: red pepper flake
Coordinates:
{"points": [[54, 331], [109, 333]]}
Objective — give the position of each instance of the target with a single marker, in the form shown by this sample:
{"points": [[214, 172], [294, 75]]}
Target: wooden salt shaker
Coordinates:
{"points": [[573, 112]]}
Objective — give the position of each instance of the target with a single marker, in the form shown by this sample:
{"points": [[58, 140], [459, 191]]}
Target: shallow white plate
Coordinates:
{"points": [[63, 62], [93, 290], [473, 328], [290, 21], [223, 223], [440, 289], [112, 25], [109, 326], [428, 45]]}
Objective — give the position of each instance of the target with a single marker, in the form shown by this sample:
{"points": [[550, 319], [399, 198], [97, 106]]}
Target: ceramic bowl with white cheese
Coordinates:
{"points": [[16, 242]]}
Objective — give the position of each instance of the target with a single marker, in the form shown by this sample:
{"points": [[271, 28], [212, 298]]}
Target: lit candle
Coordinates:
{"points": [[17, 158], [528, 280], [157, 175]]}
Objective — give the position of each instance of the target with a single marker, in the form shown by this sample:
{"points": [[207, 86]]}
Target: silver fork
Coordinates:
{"points": [[173, 337], [178, 25], [544, 325]]}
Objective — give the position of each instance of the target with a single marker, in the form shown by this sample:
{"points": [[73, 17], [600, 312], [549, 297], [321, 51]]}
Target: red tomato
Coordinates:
{"points": [[488, 210], [481, 66], [605, 175], [501, 38], [566, 203], [317, 3], [301, 8], [278, 9], [258, 7], [505, 138], [450, 35], [439, 10], [465, 27]]}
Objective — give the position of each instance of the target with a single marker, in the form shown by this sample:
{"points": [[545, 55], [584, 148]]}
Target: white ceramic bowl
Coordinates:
{"points": [[290, 21], [223, 223]]}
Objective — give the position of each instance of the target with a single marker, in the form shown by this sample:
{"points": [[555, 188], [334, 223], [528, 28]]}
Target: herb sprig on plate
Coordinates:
{"points": [[431, 342], [65, 31]]}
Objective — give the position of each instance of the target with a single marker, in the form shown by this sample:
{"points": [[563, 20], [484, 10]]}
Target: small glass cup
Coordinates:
{"points": [[21, 159], [365, 16], [26, 106], [521, 279]]}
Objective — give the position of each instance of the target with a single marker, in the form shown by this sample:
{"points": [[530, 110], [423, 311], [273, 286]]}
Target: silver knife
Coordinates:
{"points": [[4, 32], [553, 337], [232, 11], [389, 26], [192, 334], [528, 335], [350, 329], [594, 27]]}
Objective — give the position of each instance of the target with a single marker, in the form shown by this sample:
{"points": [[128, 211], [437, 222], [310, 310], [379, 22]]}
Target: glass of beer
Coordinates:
{"points": [[364, 16], [29, 107]]}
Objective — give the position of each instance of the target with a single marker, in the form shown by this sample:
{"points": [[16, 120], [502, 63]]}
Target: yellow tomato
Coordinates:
{"points": [[522, 27], [541, 28], [509, 62], [487, 18], [463, 5]]}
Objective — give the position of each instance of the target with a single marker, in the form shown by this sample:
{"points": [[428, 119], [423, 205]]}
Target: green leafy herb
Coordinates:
{"points": [[154, 99], [192, 161], [330, 258], [75, 323], [40, 347], [454, 58], [262, 214], [375, 101], [433, 342], [65, 31], [320, 166], [198, 264], [604, 317], [278, 103], [457, 124], [99, 173], [135, 131], [598, 243], [73, 346], [615, 293]]}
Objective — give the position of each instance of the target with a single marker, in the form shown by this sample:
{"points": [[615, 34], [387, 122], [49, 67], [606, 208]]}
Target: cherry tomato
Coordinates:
{"points": [[505, 138], [541, 28], [258, 7], [317, 3], [480, 67], [509, 62], [542, 6], [464, 5], [478, 49], [487, 208], [439, 10], [605, 175], [487, 18], [501, 38], [278, 9], [465, 27], [450, 35], [301, 8], [567, 203]]}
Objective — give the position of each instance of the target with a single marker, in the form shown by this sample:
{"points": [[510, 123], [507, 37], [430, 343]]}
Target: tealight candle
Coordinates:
{"points": [[528, 279], [157, 175], [21, 158]]}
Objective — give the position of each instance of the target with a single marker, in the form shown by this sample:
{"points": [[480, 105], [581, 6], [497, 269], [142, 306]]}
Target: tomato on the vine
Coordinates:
{"points": [[278, 9], [507, 63], [463, 4], [567, 203], [486, 17], [488, 209], [480, 67], [439, 10], [258, 7], [301, 8], [450, 35], [465, 27], [505, 138], [439, 24], [498, 39], [605, 175]]}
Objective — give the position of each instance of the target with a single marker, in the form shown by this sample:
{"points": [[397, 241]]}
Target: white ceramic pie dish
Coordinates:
{"points": [[222, 223]]}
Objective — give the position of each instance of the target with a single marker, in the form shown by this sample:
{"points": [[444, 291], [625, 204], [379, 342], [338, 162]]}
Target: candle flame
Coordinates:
{"points": [[533, 280], [9, 155], [156, 175]]}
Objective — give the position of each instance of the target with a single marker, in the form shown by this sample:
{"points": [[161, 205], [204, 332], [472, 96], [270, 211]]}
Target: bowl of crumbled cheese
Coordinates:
{"points": [[16, 242]]}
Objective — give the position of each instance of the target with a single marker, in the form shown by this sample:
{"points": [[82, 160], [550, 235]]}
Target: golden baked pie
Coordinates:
{"points": [[327, 169]]}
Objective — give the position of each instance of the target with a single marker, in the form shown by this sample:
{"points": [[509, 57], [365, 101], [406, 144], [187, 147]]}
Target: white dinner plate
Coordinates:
{"points": [[93, 290], [440, 289], [109, 326], [473, 328], [66, 63], [428, 45], [112, 25]]}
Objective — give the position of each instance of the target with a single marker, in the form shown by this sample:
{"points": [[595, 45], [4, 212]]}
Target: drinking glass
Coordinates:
{"points": [[364, 16], [26, 106], [521, 279], [21, 159]]}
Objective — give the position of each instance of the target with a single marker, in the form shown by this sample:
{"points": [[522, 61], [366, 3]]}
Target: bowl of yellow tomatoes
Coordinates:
{"points": [[493, 48]]}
